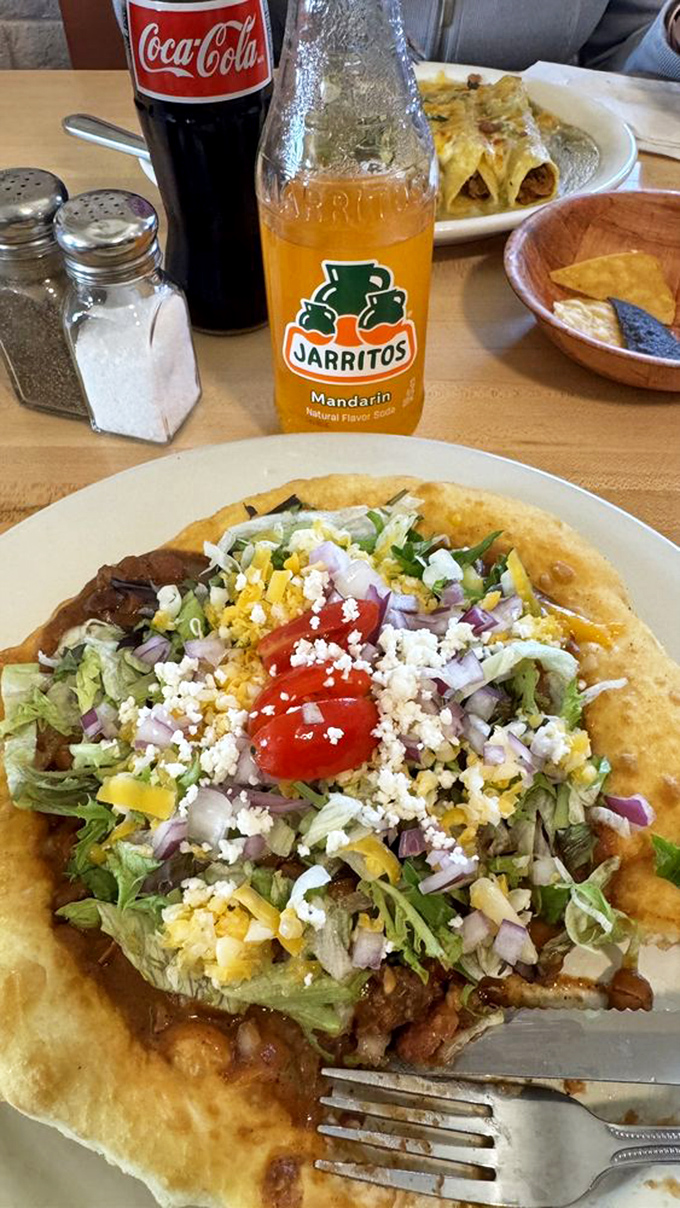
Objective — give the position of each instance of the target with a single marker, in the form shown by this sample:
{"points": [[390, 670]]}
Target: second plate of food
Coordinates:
{"points": [[505, 147]]}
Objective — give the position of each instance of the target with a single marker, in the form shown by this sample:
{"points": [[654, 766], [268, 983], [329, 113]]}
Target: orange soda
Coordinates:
{"points": [[347, 220]]}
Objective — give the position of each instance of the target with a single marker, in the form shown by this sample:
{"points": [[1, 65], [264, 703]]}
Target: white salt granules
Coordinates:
{"points": [[137, 364]]}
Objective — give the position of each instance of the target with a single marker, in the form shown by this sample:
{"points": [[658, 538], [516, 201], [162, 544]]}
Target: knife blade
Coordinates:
{"points": [[601, 1046]]}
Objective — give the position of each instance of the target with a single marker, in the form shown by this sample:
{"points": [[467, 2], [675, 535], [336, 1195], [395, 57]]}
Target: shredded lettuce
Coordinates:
{"points": [[403, 913], [324, 1005], [524, 683], [470, 554], [572, 705], [590, 920], [130, 867], [83, 914], [338, 811], [498, 665], [93, 756], [550, 902], [191, 622], [330, 944]]}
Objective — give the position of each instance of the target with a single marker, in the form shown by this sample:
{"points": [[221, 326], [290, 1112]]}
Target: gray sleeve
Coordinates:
{"points": [[631, 37]]}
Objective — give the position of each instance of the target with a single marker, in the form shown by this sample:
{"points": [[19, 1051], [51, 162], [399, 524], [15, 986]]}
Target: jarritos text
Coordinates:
{"points": [[212, 50], [353, 328]]}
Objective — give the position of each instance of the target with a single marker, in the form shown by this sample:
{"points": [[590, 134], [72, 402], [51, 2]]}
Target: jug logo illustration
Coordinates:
{"points": [[353, 328]]}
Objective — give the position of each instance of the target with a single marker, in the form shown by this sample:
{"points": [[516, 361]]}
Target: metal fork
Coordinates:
{"points": [[517, 1145]]}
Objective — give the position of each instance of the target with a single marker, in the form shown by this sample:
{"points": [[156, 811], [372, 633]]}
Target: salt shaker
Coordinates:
{"points": [[32, 288], [127, 323]]}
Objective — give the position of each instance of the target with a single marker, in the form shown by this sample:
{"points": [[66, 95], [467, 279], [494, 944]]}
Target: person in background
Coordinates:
{"points": [[641, 37]]}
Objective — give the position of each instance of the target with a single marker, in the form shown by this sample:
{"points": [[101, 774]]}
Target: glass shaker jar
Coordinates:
{"points": [[32, 287], [127, 323]]}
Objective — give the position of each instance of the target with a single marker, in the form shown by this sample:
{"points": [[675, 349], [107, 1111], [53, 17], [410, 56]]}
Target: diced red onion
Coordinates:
{"points": [[247, 769], [476, 731], [524, 756], [413, 747], [599, 813], [108, 717], [438, 858], [484, 701], [507, 612], [369, 653], [91, 723], [155, 731], [452, 595], [311, 713], [493, 754], [434, 622], [411, 843], [384, 602], [166, 838], [404, 603], [476, 928], [333, 557], [209, 816], [356, 579], [636, 809], [154, 650], [368, 949], [479, 619], [510, 941], [396, 619], [208, 650], [274, 802], [462, 674], [450, 875], [254, 847], [451, 729]]}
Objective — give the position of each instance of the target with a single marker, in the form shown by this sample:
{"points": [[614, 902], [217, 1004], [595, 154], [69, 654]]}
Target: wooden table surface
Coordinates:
{"points": [[493, 381]]}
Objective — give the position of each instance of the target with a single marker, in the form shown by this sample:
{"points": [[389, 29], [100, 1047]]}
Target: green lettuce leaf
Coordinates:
{"points": [[550, 901], [465, 557], [130, 867], [323, 1006], [667, 856], [405, 927], [590, 920], [83, 914], [524, 683], [89, 679], [98, 756], [572, 705], [191, 622], [48, 792]]}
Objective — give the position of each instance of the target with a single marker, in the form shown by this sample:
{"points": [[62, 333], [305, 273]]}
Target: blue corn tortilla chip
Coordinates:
{"points": [[643, 333]]}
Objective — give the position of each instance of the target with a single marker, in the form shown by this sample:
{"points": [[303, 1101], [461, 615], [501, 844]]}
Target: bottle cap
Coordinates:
{"points": [[29, 200], [108, 234]]}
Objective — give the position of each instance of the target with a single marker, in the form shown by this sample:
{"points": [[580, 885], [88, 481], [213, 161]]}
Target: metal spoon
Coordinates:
{"points": [[96, 130]]}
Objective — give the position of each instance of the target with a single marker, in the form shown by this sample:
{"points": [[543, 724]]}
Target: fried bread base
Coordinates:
{"points": [[67, 1056]]}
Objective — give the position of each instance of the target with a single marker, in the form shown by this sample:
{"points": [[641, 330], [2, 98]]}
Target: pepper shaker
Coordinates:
{"points": [[127, 323], [32, 287]]}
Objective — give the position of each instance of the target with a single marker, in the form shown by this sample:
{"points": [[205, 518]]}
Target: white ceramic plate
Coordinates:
{"points": [[613, 137], [51, 554]]}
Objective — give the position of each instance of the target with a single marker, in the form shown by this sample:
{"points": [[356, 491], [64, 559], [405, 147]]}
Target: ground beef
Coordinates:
{"points": [[419, 1042], [52, 750]]}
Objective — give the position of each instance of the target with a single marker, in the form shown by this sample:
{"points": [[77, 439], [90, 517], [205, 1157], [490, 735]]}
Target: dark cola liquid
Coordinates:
{"points": [[204, 160]]}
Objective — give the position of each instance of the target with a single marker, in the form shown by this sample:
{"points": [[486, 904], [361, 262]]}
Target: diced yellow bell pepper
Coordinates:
{"points": [[453, 817], [125, 791], [491, 599], [522, 583], [262, 560], [379, 859], [128, 827], [277, 585], [292, 563], [259, 907]]}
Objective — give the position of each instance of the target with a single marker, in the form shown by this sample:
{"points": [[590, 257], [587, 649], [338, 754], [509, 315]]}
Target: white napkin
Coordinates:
{"points": [[651, 107]]}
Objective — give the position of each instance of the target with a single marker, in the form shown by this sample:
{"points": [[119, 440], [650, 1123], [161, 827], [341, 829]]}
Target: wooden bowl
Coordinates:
{"points": [[579, 228]]}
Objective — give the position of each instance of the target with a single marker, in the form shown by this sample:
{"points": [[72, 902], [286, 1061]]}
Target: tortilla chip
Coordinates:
{"points": [[591, 318], [632, 276], [643, 333]]}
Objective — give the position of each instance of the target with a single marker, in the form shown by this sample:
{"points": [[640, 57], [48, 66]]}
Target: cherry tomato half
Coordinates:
{"points": [[276, 648], [290, 748], [303, 684]]}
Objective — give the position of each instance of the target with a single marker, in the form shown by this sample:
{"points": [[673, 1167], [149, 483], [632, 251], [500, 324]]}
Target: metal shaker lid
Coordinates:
{"points": [[29, 200], [107, 232]]}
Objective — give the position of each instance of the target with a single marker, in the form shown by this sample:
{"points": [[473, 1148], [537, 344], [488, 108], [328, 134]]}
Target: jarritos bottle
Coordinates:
{"points": [[346, 184]]}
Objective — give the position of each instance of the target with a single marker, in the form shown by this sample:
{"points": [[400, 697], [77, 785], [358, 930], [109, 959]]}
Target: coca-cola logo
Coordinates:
{"points": [[199, 52]]}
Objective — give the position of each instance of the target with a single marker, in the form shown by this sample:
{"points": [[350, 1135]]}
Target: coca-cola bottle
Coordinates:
{"points": [[202, 73]]}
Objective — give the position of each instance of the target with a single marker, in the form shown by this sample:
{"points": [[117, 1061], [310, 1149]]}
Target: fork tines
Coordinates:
{"points": [[461, 1110]]}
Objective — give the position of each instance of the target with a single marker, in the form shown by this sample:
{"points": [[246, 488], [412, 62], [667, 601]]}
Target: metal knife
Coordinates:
{"points": [[598, 1046]]}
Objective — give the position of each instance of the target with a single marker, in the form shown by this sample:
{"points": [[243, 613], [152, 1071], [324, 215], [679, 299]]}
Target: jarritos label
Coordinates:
{"points": [[353, 328], [213, 50]]}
